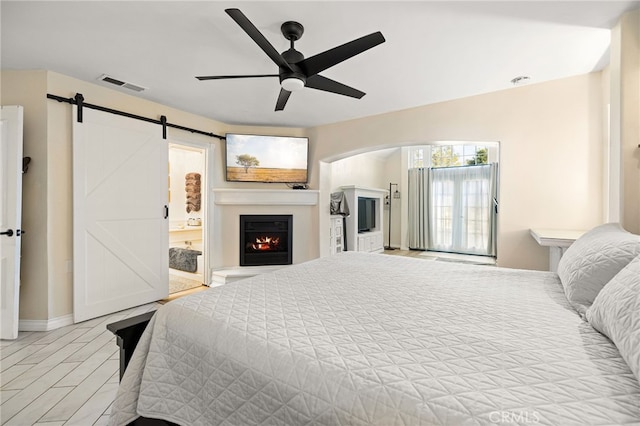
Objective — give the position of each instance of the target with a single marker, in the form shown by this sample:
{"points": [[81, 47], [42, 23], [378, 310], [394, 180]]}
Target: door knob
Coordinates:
{"points": [[8, 233]]}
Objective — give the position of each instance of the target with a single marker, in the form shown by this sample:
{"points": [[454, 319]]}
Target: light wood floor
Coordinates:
{"points": [[407, 253], [68, 376]]}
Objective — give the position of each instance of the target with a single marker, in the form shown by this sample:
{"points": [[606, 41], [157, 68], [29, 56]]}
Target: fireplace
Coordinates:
{"points": [[266, 240]]}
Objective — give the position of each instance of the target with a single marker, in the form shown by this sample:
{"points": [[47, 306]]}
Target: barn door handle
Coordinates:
{"points": [[8, 233], [166, 211]]}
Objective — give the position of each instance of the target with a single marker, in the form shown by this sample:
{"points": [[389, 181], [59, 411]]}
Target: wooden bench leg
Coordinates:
{"points": [[128, 333]]}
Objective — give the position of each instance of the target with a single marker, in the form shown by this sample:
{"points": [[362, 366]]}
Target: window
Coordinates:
{"points": [[448, 155], [416, 158]]}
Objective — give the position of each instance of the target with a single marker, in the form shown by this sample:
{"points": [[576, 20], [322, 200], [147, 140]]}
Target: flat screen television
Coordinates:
{"points": [[261, 158], [366, 214]]}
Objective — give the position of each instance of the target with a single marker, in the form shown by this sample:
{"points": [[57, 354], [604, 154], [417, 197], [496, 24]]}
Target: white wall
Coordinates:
{"points": [[551, 145], [630, 119], [28, 89], [368, 169]]}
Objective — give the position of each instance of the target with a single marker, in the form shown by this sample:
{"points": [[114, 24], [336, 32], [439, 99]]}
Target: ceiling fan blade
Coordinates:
{"points": [[320, 62], [257, 36], [283, 97], [319, 82], [222, 77]]}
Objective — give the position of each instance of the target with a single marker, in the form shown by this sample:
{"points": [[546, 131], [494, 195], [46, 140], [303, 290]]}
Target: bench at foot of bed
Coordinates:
{"points": [[128, 332]]}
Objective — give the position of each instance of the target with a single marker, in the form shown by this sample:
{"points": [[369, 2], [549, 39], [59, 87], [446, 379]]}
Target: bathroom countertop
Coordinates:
{"points": [[186, 228]]}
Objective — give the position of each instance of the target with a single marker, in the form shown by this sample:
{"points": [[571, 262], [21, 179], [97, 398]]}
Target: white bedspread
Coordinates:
{"points": [[376, 339]]}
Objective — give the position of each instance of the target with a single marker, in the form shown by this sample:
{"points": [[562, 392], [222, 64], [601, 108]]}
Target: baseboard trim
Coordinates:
{"points": [[45, 325]]}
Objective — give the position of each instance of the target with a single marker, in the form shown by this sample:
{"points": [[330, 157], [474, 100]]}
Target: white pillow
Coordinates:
{"points": [[616, 313], [593, 259]]}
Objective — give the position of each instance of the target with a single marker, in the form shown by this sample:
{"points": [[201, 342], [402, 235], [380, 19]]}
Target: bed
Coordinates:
{"points": [[357, 339]]}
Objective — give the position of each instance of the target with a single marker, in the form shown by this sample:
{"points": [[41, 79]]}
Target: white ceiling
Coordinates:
{"points": [[434, 51]]}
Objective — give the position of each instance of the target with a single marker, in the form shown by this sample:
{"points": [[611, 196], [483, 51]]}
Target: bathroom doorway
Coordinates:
{"points": [[187, 216]]}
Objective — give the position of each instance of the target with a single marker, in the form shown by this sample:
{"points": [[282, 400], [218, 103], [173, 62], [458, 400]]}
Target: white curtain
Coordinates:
{"points": [[453, 209], [418, 199], [462, 209]]}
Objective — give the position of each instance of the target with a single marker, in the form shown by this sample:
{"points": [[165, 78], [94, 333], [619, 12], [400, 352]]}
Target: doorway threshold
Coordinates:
{"points": [[459, 258]]}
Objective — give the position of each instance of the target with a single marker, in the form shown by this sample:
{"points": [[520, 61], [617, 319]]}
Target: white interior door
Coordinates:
{"points": [[10, 217], [120, 225]]}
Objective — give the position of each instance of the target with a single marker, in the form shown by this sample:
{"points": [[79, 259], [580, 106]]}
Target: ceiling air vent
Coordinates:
{"points": [[126, 85]]}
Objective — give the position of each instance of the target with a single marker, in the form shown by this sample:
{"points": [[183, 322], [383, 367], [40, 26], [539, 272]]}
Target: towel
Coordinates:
{"points": [[193, 206], [192, 187]]}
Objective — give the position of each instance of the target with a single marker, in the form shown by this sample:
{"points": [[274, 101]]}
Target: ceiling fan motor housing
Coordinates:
{"points": [[292, 56]]}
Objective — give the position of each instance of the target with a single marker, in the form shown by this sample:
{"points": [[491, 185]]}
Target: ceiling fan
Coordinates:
{"points": [[296, 72]]}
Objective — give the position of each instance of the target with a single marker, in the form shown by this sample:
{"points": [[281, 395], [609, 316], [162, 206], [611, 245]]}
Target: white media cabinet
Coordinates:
{"points": [[371, 241]]}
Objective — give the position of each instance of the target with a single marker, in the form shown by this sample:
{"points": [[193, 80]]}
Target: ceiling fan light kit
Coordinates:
{"points": [[296, 72], [292, 84]]}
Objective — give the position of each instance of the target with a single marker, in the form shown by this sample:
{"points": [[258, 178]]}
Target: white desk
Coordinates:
{"points": [[557, 240]]}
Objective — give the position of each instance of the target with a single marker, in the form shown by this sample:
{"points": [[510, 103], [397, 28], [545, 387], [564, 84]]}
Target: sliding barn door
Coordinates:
{"points": [[120, 224]]}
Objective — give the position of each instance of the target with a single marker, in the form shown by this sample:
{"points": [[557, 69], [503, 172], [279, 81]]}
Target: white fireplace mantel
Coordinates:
{"points": [[231, 203], [272, 197]]}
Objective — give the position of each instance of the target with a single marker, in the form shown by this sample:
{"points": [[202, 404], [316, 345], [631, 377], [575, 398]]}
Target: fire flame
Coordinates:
{"points": [[266, 243]]}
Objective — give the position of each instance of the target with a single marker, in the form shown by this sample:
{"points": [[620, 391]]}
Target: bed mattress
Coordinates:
{"points": [[376, 339]]}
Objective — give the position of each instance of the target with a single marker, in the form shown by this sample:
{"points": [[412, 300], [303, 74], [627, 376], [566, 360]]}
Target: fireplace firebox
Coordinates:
{"points": [[266, 240]]}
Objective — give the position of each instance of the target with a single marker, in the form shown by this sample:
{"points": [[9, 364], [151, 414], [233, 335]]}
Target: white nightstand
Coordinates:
{"points": [[557, 240]]}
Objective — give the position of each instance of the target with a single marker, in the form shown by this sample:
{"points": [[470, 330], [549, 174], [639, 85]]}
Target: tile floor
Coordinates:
{"points": [[67, 376]]}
